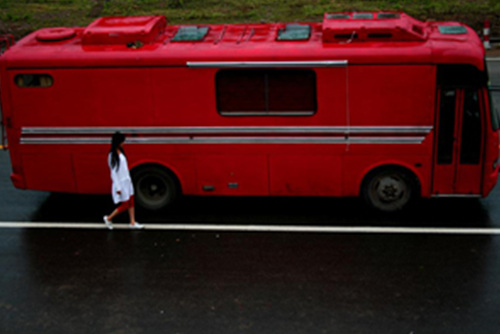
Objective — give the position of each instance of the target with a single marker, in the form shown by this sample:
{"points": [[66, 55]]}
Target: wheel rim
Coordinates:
{"points": [[389, 191], [153, 190]]}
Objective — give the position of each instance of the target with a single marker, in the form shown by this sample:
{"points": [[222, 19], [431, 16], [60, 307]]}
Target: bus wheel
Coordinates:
{"points": [[388, 189], [155, 189]]}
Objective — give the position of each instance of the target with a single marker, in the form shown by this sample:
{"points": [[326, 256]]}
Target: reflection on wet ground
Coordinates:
{"points": [[143, 282]]}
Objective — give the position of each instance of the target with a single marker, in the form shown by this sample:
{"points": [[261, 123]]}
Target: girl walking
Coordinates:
{"points": [[122, 189]]}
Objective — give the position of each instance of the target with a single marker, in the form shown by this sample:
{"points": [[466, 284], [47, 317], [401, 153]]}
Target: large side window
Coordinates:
{"points": [[261, 92]]}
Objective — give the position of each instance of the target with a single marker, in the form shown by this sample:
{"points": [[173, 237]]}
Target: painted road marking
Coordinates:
{"points": [[266, 228]]}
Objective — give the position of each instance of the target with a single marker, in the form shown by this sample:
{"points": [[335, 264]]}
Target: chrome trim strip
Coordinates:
{"points": [[456, 196], [261, 64], [385, 140], [230, 129], [230, 140]]}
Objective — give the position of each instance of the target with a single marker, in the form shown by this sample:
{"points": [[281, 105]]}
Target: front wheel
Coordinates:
{"points": [[155, 189], [388, 190]]}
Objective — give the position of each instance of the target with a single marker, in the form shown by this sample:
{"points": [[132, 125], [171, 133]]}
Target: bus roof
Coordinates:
{"points": [[355, 38]]}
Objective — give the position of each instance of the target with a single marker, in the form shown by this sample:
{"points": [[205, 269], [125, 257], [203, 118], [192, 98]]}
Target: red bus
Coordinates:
{"points": [[377, 105]]}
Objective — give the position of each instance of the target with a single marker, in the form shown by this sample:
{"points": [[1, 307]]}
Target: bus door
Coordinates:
{"points": [[459, 142]]}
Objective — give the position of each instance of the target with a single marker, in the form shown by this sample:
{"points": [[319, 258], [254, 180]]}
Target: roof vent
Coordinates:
{"points": [[337, 16], [364, 27], [362, 16], [382, 16], [55, 34], [190, 34], [124, 30], [452, 30], [294, 32]]}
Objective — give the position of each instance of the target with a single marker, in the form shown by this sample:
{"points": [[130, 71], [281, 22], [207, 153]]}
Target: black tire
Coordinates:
{"points": [[154, 188], [389, 189]]}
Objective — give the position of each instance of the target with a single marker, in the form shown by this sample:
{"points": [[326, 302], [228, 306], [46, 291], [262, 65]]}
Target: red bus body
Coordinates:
{"points": [[378, 82]]}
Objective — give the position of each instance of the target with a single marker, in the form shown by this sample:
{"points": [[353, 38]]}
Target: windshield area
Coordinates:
{"points": [[492, 89]]}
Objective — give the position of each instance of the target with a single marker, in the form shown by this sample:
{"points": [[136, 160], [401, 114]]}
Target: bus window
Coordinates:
{"points": [[446, 126], [493, 112], [260, 92], [33, 80], [471, 129]]}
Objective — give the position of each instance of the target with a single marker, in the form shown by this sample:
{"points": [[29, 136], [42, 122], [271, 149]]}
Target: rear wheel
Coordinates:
{"points": [[155, 189], [389, 189]]}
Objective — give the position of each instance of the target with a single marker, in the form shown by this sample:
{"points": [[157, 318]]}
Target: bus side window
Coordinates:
{"points": [[471, 129], [34, 80], [446, 126], [266, 92]]}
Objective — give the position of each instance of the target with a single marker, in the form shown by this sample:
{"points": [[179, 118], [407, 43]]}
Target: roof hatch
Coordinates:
{"points": [[190, 34], [294, 32], [380, 26]]}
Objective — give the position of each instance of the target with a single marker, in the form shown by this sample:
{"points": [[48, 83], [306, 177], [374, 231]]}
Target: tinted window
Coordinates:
{"points": [[471, 129], [446, 126], [33, 80], [266, 92]]}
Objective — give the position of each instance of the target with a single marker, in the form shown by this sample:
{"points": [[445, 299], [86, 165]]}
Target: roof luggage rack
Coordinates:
{"points": [[368, 26]]}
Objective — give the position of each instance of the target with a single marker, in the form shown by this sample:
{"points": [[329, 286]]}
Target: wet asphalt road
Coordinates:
{"points": [[99, 281]]}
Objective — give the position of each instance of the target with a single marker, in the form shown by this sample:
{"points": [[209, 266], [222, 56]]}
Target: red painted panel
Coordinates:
{"points": [[306, 175], [391, 95], [89, 97], [468, 179], [49, 172], [233, 175], [92, 173]]}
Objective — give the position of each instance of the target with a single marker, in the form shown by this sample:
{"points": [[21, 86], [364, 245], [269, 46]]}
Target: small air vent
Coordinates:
{"points": [[380, 35]]}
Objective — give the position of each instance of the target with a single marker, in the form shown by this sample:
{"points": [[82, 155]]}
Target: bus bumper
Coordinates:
{"points": [[18, 181]]}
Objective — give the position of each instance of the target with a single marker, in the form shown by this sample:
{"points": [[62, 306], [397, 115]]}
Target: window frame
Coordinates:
{"points": [[40, 75], [266, 90]]}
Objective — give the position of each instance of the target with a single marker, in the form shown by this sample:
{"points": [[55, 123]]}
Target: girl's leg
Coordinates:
{"points": [[131, 210], [123, 206]]}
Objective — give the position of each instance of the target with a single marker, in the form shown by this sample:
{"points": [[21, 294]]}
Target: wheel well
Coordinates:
{"points": [[408, 172], [170, 173]]}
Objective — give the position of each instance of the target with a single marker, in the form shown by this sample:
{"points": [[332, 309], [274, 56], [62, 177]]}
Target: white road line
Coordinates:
{"points": [[266, 228], [492, 58]]}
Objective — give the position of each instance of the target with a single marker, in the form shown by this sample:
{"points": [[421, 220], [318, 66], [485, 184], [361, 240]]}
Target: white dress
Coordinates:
{"points": [[121, 180]]}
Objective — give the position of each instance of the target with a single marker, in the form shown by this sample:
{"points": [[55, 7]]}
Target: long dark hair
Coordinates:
{"points": [[117, 139]]}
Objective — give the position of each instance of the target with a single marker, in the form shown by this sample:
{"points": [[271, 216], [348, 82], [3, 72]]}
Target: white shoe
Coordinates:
{"points": [[108, 222], [136, 226]]}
